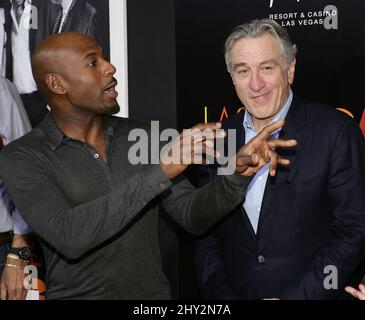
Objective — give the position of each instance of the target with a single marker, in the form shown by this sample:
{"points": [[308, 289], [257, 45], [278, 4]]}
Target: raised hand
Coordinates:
{"points": [[261, 150], [12, 287], [191, 147]]}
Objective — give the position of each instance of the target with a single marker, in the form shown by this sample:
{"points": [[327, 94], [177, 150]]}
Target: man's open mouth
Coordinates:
{"points": [[110, 89]]}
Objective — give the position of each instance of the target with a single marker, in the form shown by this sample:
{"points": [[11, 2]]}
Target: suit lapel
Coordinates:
{"points": [[240, 141], [294, 123]]}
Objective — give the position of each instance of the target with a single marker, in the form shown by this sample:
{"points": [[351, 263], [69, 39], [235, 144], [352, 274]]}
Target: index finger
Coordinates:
{"points": [[206, 131], [267, 131], [354, 292], [274, 143], [350, 290]]}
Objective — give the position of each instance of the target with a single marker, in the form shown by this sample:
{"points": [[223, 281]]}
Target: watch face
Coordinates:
{"points": [[24, 253]]}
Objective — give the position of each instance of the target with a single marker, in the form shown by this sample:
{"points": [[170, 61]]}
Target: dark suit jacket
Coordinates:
{"points": [[312, 216], [83, 18], [46, 16]]}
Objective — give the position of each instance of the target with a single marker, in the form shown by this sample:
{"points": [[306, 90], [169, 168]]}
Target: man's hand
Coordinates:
{"points": [[12, 279], [358, 294], [259, 151], [190, 147]]}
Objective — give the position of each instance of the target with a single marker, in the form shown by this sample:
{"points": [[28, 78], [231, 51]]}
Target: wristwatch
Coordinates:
{"points": [[23, 253]]}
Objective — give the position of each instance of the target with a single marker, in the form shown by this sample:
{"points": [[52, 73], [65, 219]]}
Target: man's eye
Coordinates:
{"points": [[92, 63], [268, 68], [242, 71]]}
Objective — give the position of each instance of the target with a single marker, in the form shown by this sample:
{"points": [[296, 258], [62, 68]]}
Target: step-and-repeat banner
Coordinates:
{"points": [[330, 61]]}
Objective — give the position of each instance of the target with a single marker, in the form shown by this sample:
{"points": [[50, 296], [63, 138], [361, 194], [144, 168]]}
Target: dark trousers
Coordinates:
{"points": [[35, 106]]}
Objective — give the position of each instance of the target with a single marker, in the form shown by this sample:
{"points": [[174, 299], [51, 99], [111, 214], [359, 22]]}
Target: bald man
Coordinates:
{"points": [[95, 213]]}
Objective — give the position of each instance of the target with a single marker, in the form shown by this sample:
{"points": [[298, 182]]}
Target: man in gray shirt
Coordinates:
{"points": [[96, 214]]}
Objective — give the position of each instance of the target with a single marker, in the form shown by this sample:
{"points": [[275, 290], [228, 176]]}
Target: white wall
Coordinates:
{"points": [[118, 50]]}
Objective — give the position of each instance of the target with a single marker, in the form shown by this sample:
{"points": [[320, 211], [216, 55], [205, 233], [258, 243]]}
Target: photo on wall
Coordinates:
{"points": [[25, 23]]}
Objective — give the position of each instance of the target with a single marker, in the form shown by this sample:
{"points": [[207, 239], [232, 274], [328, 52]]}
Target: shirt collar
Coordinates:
{"points": [[26, 2], [66, 6], [247, 119], [55, 136]]}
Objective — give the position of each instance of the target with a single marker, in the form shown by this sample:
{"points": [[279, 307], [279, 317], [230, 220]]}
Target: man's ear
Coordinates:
{"points": [[55, 83], [291, 71]]}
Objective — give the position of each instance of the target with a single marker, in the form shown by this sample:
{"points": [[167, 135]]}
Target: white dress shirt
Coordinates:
{"points": [[22, 68], [256, 189]]}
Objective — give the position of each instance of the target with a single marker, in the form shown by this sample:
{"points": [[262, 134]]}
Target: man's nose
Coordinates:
{"points": [[256, 81], [110, 70]]}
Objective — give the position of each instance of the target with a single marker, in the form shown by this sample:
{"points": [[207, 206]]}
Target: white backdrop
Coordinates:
{"points": [[118, 50]]}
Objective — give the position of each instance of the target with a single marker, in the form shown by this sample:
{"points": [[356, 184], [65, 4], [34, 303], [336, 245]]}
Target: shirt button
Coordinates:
{"points": [[96, 156], [162, 186], [261, 259]]}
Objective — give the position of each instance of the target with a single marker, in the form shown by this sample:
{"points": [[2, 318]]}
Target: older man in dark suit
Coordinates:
{"points": [[301, 234]]}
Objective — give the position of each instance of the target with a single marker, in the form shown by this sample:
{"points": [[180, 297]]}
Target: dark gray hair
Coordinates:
{"points": [[257, 28]]}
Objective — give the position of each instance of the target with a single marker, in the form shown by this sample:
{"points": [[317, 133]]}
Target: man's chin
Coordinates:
{"points": [[112, 110]]}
